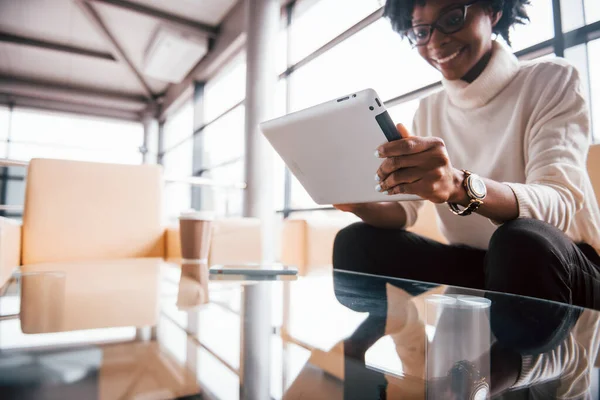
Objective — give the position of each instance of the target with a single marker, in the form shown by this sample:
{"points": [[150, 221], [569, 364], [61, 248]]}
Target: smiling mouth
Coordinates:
{"points": [[451, 57]]}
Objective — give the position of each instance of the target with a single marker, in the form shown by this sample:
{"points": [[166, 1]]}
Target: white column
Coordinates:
{"points": [[262, 23], [150, 146], [261, 79]]}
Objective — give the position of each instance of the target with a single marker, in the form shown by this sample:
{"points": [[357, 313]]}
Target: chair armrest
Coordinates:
{"points": [[308, 244], [234, 241], [293, 243], [172, 244], [10, 248]]}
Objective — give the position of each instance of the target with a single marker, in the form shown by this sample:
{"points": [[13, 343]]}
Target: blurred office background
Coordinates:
{"points": [[157, 81], [148, 81]]}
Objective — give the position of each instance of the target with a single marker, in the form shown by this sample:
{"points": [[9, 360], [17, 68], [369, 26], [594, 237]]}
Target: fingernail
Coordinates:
{"points": [[377, 178], [377, 154], [378, 188]]}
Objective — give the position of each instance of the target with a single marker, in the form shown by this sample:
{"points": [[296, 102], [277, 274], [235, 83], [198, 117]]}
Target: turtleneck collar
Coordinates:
{"points": [[501, 69]]}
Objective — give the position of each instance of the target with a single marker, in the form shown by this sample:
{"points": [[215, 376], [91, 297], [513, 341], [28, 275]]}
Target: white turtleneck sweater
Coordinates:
{"points": [[525, 124]]}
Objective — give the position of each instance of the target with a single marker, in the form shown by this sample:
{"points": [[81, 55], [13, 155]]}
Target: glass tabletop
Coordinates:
{"points": [[147, 329]]}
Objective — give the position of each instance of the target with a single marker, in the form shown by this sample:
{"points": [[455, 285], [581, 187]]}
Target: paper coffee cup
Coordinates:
{"points": [[195, 232]]}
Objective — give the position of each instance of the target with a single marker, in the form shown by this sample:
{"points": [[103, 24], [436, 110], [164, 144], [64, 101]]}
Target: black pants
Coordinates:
{"points": [[525, 257]]}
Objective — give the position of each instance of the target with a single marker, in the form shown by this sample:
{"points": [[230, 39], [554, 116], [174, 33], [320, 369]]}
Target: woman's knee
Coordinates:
{"points": [[522, 255], [364, 248], [349, 245], [524, 238]]}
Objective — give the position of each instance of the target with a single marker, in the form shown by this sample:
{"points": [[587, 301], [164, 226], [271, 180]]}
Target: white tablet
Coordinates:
{"points": [[330, 148]]}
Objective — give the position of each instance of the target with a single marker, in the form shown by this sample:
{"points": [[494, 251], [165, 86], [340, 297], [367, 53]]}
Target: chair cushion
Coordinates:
{"points": [[308, 243], [80, 211]]}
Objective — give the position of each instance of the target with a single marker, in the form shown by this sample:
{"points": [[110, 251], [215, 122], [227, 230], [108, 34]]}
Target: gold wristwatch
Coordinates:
{"points": [[467, 382], [476, 189]]}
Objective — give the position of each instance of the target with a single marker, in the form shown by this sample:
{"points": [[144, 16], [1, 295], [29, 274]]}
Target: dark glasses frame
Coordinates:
{"points": [[435, 25]]}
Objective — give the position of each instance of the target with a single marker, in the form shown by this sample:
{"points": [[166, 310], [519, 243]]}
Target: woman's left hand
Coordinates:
{"points": [[421, 166]]}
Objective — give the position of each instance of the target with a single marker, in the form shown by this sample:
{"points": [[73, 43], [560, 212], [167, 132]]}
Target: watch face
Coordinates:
{"points": [[481, 393], [477, 186]]}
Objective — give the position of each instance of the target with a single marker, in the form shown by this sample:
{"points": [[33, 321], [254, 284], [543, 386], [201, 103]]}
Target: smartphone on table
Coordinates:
{"points": [[253, 272]]}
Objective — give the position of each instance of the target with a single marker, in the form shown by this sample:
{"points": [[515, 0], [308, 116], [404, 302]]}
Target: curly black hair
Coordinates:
{"points": [[513, 12]]}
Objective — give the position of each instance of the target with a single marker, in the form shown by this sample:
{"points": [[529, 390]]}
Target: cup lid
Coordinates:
{"points": [[197, 215]]}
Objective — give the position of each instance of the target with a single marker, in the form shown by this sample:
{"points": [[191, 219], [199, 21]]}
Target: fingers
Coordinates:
{"points": [[427, 187], [402, 131], [402, 176], [408, 146], [416, 187], [426, 160]]}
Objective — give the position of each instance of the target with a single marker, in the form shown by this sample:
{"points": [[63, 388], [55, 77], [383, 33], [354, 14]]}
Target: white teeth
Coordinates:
{"points": [[449, 58]]}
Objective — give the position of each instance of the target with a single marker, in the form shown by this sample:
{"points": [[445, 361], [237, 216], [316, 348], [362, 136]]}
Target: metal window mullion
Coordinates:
{"points": [[4, 189], [582, 35], [199, 130], [559, 38], [537, 50], [287, 180]]}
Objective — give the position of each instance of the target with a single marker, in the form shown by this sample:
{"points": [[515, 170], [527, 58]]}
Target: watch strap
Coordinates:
{"points": [[470, 209]]}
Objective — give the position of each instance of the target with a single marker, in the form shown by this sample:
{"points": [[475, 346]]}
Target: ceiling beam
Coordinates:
{"points": [[95, 19], [227, 45], [198, 27], [64, 48], [49, 91], [9, 99]]}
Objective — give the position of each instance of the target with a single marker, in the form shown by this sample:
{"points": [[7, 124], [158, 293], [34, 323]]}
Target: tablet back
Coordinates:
{"points": [[330, 148]]}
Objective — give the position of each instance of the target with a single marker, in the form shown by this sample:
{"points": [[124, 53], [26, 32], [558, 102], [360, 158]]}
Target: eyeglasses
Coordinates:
{"points": [[451, 21]]}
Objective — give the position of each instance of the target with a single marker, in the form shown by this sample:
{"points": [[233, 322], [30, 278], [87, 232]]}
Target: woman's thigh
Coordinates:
{"points": [[532, 258], [402, 254]]}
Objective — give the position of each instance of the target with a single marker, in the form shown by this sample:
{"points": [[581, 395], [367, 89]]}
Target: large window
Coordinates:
{"points": [[592, 11], [27, 134], [223, 162], [376, 57], [223, 139], [226, 89], [594, 60], [4, 123], [372, 55], [316, 22], [36, 134], [540, 28], [178, 159]]}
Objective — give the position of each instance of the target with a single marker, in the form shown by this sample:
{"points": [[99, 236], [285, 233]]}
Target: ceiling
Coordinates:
{"points": [[90, 52]]}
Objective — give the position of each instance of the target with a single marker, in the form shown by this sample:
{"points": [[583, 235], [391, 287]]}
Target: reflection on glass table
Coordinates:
{"points": [[511, 346], [87, 296], [76, 330]]}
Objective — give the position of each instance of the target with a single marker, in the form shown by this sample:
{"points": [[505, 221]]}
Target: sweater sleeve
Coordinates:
{"points": [[412, 207], [555, 150], [568, 361], [571, 361]]}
